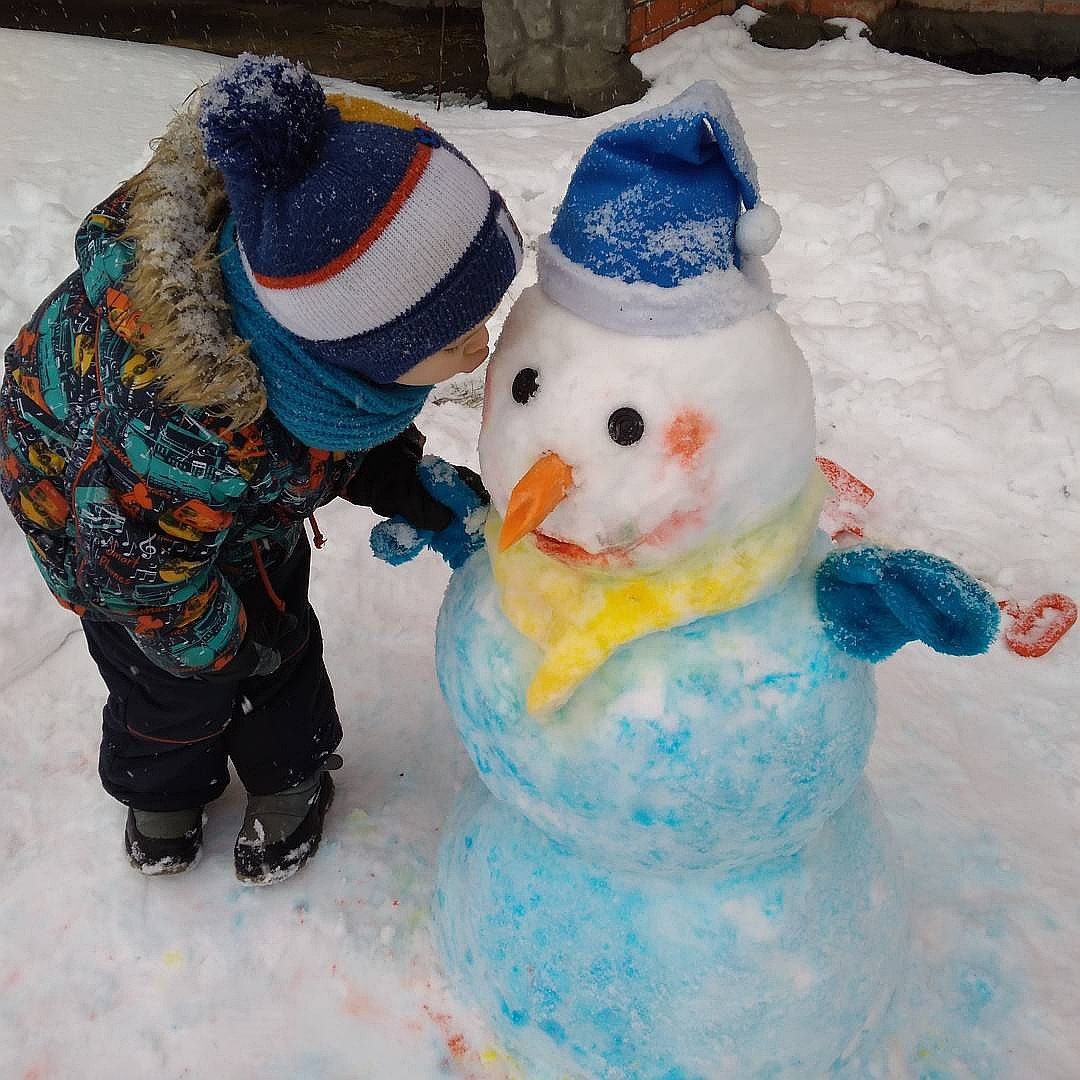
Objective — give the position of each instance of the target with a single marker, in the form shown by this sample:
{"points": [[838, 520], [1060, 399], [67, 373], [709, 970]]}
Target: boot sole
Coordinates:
{"points": [[166, 866]]}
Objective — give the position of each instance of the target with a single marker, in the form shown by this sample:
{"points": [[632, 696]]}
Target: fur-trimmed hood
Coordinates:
{"points": [[175, 282]]}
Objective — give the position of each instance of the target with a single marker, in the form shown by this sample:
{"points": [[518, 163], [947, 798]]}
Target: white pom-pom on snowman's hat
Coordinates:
{"points": [[757, 230], [661, 230]]}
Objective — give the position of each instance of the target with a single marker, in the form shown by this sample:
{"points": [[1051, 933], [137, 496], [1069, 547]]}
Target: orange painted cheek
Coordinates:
{"points": [[686, 436]]}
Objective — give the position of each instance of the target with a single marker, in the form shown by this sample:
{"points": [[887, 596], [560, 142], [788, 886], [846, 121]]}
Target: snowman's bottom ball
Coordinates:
{"points": [[775, 971], [715, 744]]}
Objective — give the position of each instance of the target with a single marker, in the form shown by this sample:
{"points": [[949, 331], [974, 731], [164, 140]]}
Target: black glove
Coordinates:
{"points": [[388, 482]]}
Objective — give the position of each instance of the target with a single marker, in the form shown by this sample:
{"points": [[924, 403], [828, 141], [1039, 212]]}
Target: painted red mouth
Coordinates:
{"points": [[615, 558], [575, 555]]}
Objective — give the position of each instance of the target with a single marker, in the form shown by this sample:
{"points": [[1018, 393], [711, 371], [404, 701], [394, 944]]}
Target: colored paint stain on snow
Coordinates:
{"points": [[977, 990], [466, 1062], [455, 1041], [495, 1064], [359, 1004], [958, 1006], [174, 958], [360, 821], [932, 1063]]}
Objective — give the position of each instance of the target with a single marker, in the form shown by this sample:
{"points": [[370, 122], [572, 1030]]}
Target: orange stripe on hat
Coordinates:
{"points": [[405, 188]]}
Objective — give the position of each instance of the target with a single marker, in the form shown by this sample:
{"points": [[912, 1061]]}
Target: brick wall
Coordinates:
{"points": [[653, 20]]}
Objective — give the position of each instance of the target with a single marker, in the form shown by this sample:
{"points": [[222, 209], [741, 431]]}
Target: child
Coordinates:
{"points": [[256, 319]]}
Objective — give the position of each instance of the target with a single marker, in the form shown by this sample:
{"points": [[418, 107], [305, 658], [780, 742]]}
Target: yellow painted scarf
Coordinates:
{"points": [[580, 617]]}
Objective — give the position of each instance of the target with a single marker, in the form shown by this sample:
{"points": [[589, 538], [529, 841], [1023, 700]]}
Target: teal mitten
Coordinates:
{"points": [[872, 601]]}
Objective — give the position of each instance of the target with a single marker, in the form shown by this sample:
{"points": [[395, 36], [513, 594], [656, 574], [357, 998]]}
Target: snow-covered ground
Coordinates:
{"points": [[931, 269]]}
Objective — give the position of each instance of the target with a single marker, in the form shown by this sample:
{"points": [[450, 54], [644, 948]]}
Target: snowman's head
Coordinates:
{"points": [[625, 452]]}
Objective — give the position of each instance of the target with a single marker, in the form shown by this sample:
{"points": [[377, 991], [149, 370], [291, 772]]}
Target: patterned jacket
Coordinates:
{"points": [[142, 495]]}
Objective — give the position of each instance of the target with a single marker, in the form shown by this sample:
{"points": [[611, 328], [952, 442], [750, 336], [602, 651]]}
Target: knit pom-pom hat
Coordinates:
{"points": [[361, 231]]}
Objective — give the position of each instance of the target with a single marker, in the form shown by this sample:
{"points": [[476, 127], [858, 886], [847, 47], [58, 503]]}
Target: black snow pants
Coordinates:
{"points": [[167, 740]]}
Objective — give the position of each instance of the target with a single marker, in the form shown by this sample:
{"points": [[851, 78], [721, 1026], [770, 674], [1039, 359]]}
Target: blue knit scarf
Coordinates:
{"points": [[325, 407]]}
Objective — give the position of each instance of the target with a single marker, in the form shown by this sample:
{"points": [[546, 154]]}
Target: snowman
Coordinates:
{"points": [[670, 864]]}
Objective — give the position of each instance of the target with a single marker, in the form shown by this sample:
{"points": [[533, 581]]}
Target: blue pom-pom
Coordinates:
{"points": [[395, 541], [872, 601], [262, 121]]}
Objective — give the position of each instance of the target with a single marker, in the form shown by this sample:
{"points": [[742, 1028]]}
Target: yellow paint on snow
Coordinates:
{"points": [[174, 958], [361, 821], [508, 1068], [579, 617]]}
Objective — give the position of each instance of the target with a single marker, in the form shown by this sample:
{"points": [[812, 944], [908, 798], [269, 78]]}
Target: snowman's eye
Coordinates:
{"points": [[625, 426], [526, 383]]}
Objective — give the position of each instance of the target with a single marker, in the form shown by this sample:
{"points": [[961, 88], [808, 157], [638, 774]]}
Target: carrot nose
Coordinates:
{"points": [[535, 495]]}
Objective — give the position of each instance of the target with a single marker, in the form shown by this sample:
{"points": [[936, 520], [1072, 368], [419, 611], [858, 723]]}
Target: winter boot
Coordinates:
{"points": [[163, 842], [282, 831]]}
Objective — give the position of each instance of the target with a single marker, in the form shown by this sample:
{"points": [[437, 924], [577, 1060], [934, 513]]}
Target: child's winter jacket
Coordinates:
{"points": [[137, 455]]}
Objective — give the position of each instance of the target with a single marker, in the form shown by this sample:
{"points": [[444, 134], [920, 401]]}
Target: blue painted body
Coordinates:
{"points": [[680, 874], [775, 971]]}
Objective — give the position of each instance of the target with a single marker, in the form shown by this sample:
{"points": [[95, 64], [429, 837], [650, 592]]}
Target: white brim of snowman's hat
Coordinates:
{"points": [[708, 301]]}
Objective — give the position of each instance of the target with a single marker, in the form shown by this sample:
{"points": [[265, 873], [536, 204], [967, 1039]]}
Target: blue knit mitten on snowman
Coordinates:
{"points": [[872, 601], [458, 489]]}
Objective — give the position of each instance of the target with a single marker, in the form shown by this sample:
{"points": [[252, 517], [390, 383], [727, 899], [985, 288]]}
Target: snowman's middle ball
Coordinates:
{"points": [[715, 744]]}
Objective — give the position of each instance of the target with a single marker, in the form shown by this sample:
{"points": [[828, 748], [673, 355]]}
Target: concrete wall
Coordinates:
{"points": [[568, 53]]}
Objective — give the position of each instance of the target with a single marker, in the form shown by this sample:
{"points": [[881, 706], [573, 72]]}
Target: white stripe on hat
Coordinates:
{"points": [[415, 252], [714, 298]]}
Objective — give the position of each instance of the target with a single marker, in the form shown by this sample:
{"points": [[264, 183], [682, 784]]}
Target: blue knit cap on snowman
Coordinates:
{"points": [[661, 230]]}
